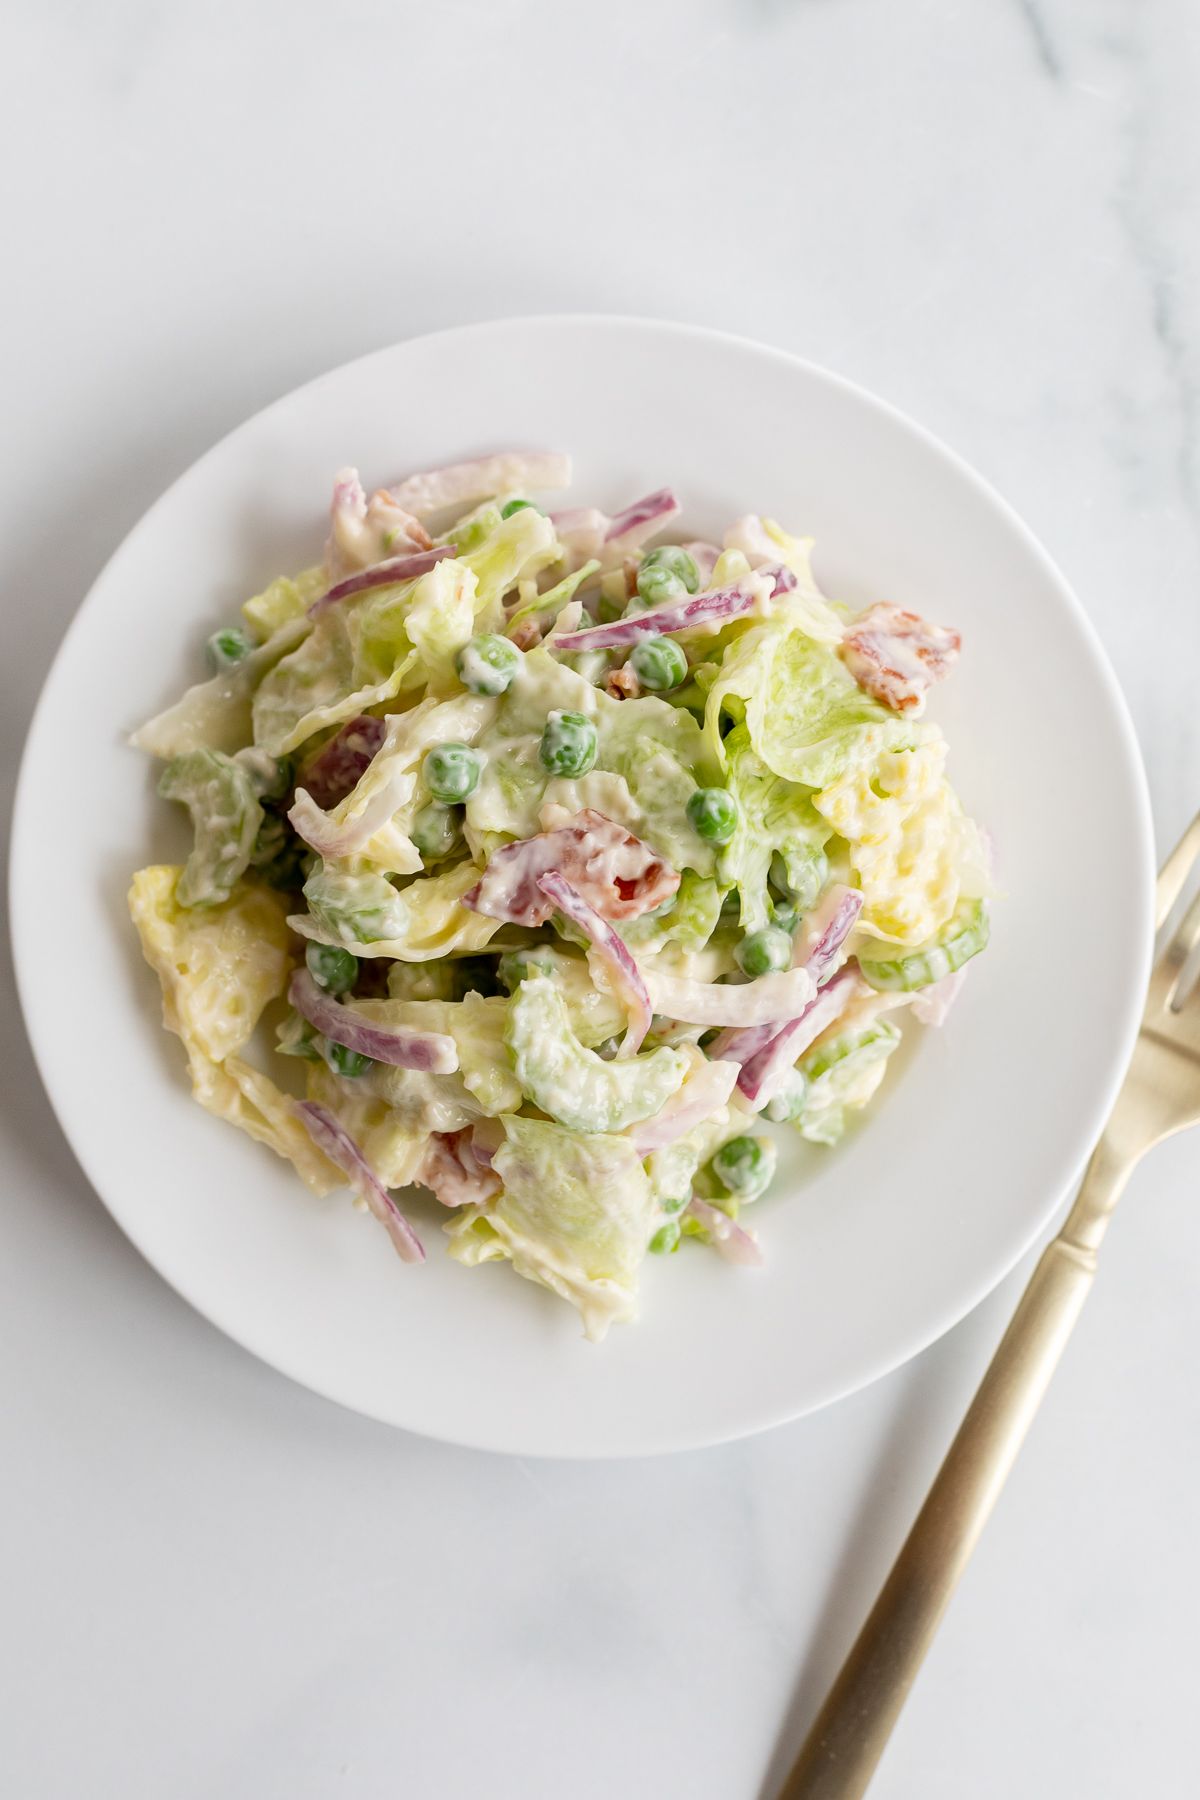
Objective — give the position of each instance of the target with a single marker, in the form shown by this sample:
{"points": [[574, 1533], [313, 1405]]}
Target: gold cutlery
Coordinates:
{"points": [[1160, 1095]]}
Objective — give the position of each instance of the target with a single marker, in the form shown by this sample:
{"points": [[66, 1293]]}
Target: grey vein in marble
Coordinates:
{"points": [[1044, 46]]}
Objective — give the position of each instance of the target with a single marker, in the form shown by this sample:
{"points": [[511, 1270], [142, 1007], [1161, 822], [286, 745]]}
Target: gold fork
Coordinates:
{"points": [[1160, 1095]]}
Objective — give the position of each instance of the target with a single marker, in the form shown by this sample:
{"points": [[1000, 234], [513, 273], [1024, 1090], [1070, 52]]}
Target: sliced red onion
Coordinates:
{"points": [[698, 1099], [461, 484], [337, 769], [932, 1004], [837, 919], [770, 999], [631, 527], [580, 530], [680, 615], [619, 875], [323, 834], [398, 1045], [347, 521], [763, 1073], [383, 574], [329, 1135], [730, 1239], [739, 1045], [623, 972], [784, 579], [454, 1173], [765, 1051]]}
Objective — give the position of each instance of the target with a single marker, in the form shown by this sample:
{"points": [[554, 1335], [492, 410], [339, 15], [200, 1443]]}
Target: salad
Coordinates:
{"points": [[559, 853]]}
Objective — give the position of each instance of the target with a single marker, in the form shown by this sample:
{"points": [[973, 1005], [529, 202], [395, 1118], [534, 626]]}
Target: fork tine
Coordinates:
{"points": [[1167, 972], [1175, 872], [1184, 939]]}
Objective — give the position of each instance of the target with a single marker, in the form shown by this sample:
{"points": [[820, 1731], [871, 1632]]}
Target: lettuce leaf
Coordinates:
{"points": [[806, 716], [656, 750], [218, 714], [222, 799], [394, 773], [365, 913], [774, 817], [283, 600], [219, 966], [574, 1214], [393, 1141]]}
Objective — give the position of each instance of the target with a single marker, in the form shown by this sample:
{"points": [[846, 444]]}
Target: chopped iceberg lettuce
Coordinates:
{"points": [[574, 1213], [222, 797], [565, 814]]}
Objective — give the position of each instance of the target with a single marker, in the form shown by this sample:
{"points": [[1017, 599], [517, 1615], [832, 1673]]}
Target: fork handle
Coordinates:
{"points": [[839, 1755]]}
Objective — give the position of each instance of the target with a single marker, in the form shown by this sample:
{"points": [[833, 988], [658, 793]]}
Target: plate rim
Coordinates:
{"points": [[1090, 1120]]}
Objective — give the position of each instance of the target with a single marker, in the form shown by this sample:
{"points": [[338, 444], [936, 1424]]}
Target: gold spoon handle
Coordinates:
{"points": [[839, 1755]]}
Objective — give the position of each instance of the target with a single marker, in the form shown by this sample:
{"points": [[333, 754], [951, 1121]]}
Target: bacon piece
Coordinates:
{"points": [[336, 769], [896, 656], [622, 683], [616, 873], [454, 1173]]}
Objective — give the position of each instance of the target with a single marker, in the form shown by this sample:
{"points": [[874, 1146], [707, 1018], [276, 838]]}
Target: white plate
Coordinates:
{"points": [[873, 1249]]}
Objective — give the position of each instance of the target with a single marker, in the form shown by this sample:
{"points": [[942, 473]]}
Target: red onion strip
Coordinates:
{"points": [[383, 574], [329, 1135], [762, 1073], [681, 615], [624, 972], [627, 529], [698, 1099], [613, 870], [846, 904], [460, 484], [398, 1045], [729, 1238], [322, 833]]}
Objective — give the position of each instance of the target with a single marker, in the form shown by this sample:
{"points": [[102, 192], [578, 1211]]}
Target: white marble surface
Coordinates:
{"points": [[216, 1584]]}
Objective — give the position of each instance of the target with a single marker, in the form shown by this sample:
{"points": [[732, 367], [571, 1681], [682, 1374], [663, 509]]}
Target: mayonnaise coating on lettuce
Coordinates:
{"points": [[577, 854]]}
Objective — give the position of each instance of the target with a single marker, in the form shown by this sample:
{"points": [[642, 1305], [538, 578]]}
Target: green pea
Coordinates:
{"points": [[665, 1238], [674, 1204], [765, 950], [657, 585], [674, 561], [488, 664], [331, 968], [512, 506], [659, 664], [436, 831], [350, 1063], [452, 772], [569, 744], [745, 1166], [713, 815], [226, 648]]}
